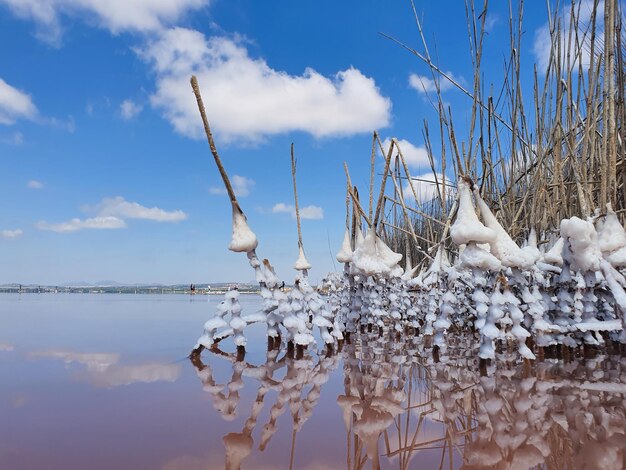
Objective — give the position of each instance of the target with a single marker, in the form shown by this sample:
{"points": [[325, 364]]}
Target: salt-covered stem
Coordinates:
{"points": [[302, 264], [295, 195], [355, 198]]}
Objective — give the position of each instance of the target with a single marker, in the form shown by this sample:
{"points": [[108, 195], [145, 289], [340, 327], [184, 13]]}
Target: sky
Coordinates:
{"points": [[106, 172]]}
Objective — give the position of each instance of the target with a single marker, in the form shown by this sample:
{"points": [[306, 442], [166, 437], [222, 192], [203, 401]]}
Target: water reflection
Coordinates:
{"points": [[104, 370], [403, 408]]}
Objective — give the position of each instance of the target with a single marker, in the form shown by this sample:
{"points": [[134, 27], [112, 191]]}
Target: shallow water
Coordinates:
{"points": [[103, 382]]}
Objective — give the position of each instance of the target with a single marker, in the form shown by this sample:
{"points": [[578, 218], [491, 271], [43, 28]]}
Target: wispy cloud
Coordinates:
{"points": [[415, 156], [73, 225], [424, 84], [543, 41], [16, 138], [129, 109], [34, 184], [249, 99], [15, 104], [306, 212], [241, 185], [11, 233]]}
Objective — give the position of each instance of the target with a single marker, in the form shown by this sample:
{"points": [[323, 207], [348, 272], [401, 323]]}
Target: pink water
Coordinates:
{"points": [[103, 382]]}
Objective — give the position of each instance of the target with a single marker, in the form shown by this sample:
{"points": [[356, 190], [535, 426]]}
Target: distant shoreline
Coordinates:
{"points": [[161, 290]]}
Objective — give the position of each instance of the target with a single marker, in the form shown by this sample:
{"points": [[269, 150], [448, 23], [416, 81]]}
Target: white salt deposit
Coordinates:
{"points": [[243, 240], [467, 227], [302, 264], [345, 253]]}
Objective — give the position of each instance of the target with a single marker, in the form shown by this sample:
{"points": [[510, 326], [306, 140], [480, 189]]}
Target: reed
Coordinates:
{"points": [[564, 157]]}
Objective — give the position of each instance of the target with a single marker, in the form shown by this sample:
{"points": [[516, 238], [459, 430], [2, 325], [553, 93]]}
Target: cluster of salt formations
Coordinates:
{"points": [[570, 294]]}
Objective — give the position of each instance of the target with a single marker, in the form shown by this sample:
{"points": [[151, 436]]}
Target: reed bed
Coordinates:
{"points": [[537, 161]]}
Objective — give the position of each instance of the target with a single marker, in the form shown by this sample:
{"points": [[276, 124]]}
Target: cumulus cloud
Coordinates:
{"points": [[426, 187], [120, 208], [11, 233], [15, 104], [241, 185], [115, 15], [543, 42], [247, 99], [73, 225], [112, 213], [307, 212], [129, 109], [34, 184], [415, 156], [424, 84]]}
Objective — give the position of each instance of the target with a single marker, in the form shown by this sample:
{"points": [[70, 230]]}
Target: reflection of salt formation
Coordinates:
{"points": [[550, 414], [301, 375], [374, 393], [562, 416]]}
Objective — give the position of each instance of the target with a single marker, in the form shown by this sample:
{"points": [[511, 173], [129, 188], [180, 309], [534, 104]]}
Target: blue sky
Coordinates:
{"points": [[106, 174]]}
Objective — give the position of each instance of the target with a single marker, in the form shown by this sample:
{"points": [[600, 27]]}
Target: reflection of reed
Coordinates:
{"points": [[401, 406]]}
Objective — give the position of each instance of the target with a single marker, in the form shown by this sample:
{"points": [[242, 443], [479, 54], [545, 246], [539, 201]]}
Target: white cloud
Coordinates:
{"points": [[15, 104], [112, 213], [120, 208], [307, 212], [424, 84], [414, 156], [114, 15], [11, 233], [426, 187], [34, 184], [129, 109], [246, 99], [241, 185], [311, 212], [542, 44], [95, 223]]}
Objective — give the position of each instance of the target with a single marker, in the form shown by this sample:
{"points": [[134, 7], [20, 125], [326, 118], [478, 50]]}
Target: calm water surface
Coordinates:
{"points": [[103, 382]]}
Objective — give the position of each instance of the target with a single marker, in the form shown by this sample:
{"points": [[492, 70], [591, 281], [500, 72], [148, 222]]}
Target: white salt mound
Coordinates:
{"points": [[467, 228], [345, 253], [503, 247], [366, 258], [387, 255], [302, 264], [583, 242], [243, 239], [476, 257], [554, 256], [611, 234]]}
